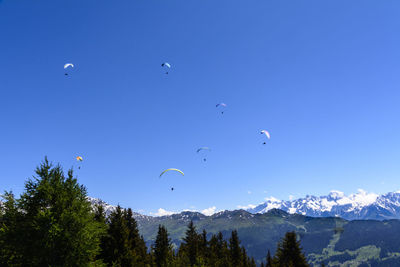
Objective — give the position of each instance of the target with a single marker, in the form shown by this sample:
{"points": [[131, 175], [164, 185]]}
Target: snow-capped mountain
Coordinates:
{"points": [[110, 208], [98, 202], [359, 206]]}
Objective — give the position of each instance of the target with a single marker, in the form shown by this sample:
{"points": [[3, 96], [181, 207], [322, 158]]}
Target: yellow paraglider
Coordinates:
{"points": [[172, 169], [79, 158]]}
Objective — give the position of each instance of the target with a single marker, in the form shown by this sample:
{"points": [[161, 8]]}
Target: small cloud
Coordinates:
{"points": [[250, 206], [291, 197], [363, 197], [209, 211], [249, 192], [162, 212], [271, 199], [190, 210]]}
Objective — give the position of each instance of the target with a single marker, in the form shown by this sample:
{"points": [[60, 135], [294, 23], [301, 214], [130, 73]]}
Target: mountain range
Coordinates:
{"points": [[373, 241], [331, 240], [359, 206]]}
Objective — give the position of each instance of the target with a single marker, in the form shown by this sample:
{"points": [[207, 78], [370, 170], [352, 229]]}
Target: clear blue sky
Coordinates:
{"points": [[322, 76]]}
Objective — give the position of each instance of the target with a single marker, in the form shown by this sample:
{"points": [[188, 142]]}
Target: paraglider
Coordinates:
{"points": [[203, 149], [266, 134], [221, 105], [79, 159], [167, 66], [66, 66], [171, 169]]}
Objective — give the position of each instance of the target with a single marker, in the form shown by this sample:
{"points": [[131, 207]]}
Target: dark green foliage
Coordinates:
{"points": [[203, 245], [162, 248], [260, 232], [51, 224], [362, 233], [315, 242], [197, 250], [99, 214], [219, 252], [136, 242], [289, 253], [10, 234], [190, 246], [235, 251], [269, 260], [122, 245], [342, 257], [115, 246], [385, 263]]}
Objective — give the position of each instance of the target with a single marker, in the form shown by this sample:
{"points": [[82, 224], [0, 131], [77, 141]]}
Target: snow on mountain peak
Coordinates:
{"points": [[363, 198], [272, 199], [336, 194], [361, 205]]}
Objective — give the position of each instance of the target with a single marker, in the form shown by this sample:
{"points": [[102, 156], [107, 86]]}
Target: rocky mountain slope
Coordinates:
{"points": [[360, 206]]}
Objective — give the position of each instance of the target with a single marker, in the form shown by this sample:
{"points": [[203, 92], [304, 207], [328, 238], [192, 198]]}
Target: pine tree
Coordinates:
{"points": [[289, 252], [235, 250], [191, 244], [11, 236], [135, 241], [223, 251], [269, 260], [245, 259], [116, 248], [253, 263], [133, 232], [213, 251], [99, 214], [203, 246], [55, 221], [162, 247], [141, 251]]}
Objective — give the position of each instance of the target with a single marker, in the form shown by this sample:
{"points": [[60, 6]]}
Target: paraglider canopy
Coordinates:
{"points": [[266, 133], [220, 104], [172, 169], [68, 65], [79, 158], [203, 148], [166, 64]]}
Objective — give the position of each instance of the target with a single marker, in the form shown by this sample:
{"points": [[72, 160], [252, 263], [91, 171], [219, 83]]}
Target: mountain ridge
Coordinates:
{"points": [[359, 206]]}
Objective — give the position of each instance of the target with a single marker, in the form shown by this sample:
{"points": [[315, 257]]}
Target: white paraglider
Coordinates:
{"points": [[266, 133], [67, 66], [167, 66]]}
